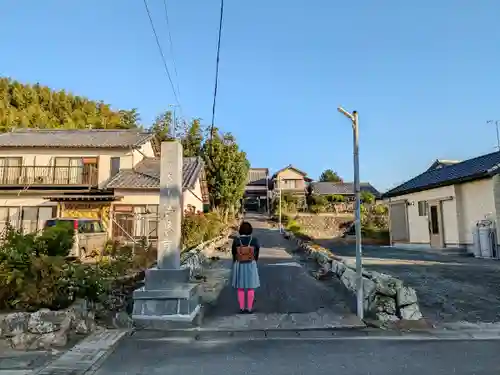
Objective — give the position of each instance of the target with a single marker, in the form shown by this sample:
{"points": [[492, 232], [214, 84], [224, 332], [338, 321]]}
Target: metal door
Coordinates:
{"points": [[435, 225]]}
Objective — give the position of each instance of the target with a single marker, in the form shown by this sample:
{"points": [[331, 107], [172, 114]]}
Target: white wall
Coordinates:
{"points": [[471, 201], [152, 196], [475, 201]]}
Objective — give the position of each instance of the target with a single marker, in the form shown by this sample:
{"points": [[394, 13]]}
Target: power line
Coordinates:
{"points": [[217, 68], [161, 53], [171, 46]]}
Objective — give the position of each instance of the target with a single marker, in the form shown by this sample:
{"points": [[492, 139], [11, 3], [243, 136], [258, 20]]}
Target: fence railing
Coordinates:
{"points": [[49, 175]]}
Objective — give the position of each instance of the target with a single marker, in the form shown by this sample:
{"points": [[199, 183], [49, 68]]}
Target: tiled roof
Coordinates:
{"points": [[467, 170], [84, 138], [146, 175], [341, 188], [257, 176]]}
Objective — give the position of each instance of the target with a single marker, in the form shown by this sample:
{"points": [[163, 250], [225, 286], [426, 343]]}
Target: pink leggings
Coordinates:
{"points": [[250, 298]]}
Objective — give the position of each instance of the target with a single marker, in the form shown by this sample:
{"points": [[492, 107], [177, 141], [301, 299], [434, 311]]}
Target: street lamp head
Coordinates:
{"points": [[345, 113]]}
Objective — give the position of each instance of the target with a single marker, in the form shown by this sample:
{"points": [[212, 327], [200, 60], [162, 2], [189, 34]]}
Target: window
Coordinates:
{"points": [[75, 171], [10, 170], [114, 166], [135, 221], [28, 219], [422, 208]]}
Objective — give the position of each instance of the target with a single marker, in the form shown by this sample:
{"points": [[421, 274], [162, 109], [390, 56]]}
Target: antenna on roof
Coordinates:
{"points": [[496, 122]]}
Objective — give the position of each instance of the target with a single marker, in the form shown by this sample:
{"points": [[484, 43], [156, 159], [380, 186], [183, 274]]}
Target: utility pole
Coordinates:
{"points": [[173, 131], [359, 263]]}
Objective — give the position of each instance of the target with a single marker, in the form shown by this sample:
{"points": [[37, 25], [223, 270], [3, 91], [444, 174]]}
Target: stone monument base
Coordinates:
{"points": [[167, 300]]}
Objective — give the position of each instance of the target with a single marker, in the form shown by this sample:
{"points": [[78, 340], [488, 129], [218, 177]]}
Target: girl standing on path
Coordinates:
{"points": [[245, 276]]}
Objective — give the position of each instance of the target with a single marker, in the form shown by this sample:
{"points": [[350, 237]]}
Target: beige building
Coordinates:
{"points": [[108, 174], [290, 180], [441, 207]]}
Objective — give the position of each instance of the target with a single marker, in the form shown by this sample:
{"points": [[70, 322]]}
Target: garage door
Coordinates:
{"points": [[399, 222]]}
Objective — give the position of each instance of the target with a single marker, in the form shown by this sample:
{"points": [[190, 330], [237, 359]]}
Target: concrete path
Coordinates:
{"points": [[450, 288], [289, 298]]}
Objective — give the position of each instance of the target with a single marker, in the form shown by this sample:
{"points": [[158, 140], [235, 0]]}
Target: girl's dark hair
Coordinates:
{"points": [[245, 229]]}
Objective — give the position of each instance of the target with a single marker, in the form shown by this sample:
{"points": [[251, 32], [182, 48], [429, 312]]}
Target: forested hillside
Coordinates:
{"points": [[29, 106]]}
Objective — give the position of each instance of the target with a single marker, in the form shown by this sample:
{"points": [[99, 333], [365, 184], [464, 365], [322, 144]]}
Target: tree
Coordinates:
{"points": [[330, 176], [367, 197], [226, 168], [37, 106], [129, 119], [192, 139], [164, 127]]}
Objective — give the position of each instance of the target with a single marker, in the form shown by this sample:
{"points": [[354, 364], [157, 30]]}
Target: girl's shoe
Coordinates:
{"points": [[242, 311]]}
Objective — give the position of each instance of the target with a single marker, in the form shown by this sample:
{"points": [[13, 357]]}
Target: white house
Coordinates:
{"points": [[440, 207]]}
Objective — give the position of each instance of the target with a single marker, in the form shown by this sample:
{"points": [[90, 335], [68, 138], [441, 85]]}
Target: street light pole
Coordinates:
{"points": [[279, 209], [359, 254]]}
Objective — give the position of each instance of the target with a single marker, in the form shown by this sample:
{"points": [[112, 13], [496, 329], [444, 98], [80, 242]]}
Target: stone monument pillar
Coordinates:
{"points": [[168, 299]]}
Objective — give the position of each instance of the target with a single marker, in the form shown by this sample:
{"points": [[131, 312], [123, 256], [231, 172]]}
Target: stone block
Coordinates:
{"points": [[410, 312], [386, 284], [382, 304], [406, 296], [175, 291], [164, 278], [13, 324]]}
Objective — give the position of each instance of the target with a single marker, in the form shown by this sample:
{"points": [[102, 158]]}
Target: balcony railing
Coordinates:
{"points": [[48, 175]]}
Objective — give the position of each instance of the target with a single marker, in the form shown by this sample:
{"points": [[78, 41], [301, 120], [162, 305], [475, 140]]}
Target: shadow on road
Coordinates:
{"points": [[287, 286]]}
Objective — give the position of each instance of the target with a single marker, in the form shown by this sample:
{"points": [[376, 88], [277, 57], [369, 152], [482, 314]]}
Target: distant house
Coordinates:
{"points": [[112, 175], [345, 189], [256, 197], [440, 207], [290, 180]]}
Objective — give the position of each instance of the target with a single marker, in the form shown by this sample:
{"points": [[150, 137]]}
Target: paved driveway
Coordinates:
{"points": [[450, 288], [288, 297]]}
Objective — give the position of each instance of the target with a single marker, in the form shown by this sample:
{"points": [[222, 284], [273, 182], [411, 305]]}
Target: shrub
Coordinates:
{"points": [[57, 240], [199, 227], [214, 225], [293, 226]]}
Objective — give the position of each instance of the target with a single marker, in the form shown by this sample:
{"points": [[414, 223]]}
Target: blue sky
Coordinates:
{"points": [[422, 75]]}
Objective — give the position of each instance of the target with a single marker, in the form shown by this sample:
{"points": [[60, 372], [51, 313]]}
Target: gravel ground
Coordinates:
{"points": [[450, 288]]}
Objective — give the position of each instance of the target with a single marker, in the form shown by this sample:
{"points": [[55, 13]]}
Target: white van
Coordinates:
{"points": [[90, 235]]}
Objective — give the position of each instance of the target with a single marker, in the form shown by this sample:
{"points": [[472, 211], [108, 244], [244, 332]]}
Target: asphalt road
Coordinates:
{"points": [[287, 288], [285, 357]]}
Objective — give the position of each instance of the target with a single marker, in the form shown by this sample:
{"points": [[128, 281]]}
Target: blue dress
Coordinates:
{"points": [[245, 274]]}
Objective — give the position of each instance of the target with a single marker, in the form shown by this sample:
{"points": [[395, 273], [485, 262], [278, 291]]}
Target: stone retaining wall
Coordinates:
{"points": [[45, 328], [386, 298], [321, 225], [196, 258]]}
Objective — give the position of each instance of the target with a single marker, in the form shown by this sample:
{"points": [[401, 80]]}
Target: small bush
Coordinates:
{"points": [[293, 226], [199, 227], [57, 240]]}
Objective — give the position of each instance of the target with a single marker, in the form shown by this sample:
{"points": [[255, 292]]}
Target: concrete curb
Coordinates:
{"points": [[85, 357]]}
